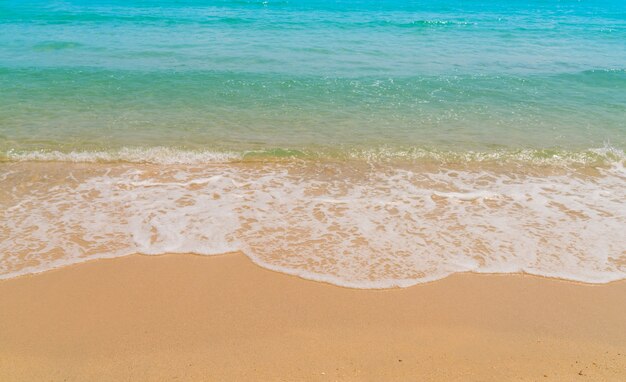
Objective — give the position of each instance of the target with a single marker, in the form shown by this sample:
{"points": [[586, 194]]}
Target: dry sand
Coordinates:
{"points": [[183, 317]]}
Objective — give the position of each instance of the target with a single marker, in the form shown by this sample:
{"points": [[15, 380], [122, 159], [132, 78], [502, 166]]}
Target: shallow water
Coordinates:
{"points": [[362, 143], [366, 226]]}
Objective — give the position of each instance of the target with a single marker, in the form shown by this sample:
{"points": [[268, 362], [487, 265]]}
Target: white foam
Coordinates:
{"points": [[159, 155], [171, 155], [607, 154], [365, 228]]}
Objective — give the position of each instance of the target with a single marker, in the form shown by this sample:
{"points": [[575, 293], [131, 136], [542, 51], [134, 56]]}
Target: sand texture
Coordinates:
{"points": [[222, 318]]}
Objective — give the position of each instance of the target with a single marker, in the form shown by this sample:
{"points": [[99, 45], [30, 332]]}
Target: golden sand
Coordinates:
{"points": [[181, 317]]}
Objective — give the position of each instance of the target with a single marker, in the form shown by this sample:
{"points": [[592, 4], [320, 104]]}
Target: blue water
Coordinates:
{"points": [[312, 76], [369, 144]]}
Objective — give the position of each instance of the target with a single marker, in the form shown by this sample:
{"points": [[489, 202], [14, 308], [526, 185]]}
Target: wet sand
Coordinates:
{"points": [[183, 317]]}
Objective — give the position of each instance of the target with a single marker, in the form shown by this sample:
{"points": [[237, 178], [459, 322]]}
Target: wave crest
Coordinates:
{"points": [[168, 155]]}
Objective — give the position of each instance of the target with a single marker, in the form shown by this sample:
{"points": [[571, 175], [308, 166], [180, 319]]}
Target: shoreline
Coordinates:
{"points": [[351, 226], [145, 317], [297, 276]]}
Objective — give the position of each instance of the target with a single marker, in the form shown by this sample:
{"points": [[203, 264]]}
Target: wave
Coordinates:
{"points": [[155, 155], [202, 17], [170, 155], [372, 226], [416, 24]]}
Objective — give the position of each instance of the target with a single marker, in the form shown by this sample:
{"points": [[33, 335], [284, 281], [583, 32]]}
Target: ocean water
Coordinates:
{"points": [[368, 144]]}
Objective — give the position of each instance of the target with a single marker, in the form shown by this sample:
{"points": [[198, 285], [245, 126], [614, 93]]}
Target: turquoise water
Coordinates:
{"points": [[368, 144], [312, 76]]}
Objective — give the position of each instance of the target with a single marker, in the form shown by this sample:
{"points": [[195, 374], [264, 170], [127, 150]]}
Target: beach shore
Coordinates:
{"points": [[184, 317]]}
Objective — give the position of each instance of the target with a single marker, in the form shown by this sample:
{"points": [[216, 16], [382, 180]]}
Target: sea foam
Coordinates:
{"points": [[161, 155], [607, 155], [364, 227]]}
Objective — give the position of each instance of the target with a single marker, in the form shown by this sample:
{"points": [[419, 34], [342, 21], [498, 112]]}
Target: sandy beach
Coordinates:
{"points": [[184, 317], [297, 190]]}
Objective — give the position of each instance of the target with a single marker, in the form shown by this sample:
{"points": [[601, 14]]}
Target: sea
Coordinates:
{"points": [[363, 143]]}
